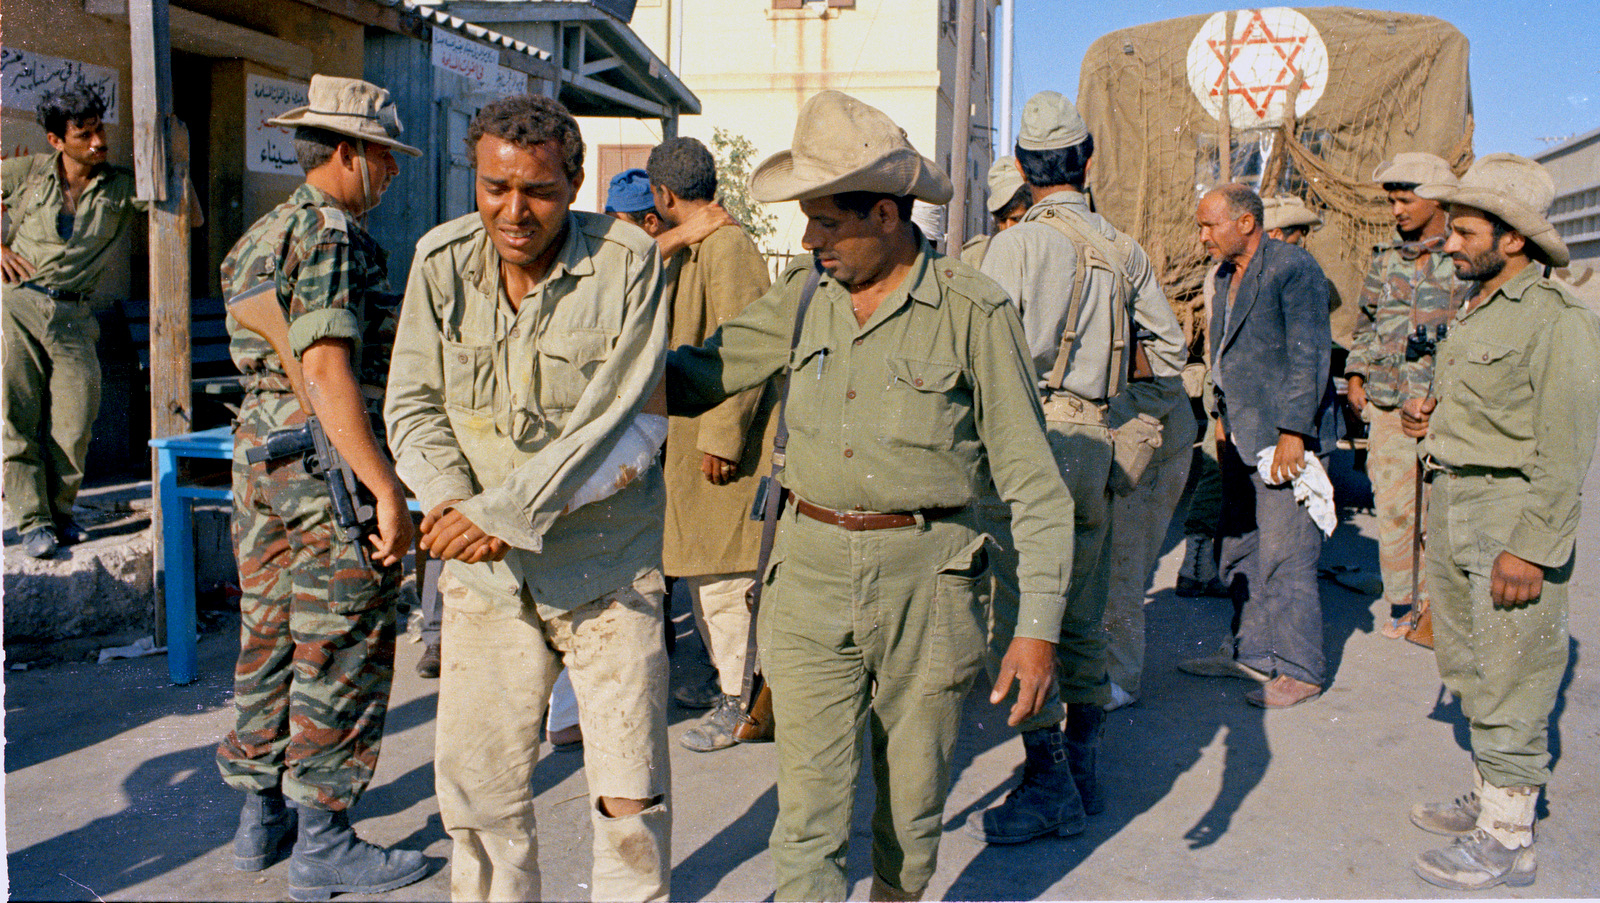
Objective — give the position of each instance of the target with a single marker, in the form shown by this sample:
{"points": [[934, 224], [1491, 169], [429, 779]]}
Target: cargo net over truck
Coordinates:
{"points": [[1306, 102]]}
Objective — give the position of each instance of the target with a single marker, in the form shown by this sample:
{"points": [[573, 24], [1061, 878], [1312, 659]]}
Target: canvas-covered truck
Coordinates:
{"points": [[1306, 101]]}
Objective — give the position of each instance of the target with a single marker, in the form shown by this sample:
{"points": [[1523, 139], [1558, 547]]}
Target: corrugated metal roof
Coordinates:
{"points": [[470, 29]]}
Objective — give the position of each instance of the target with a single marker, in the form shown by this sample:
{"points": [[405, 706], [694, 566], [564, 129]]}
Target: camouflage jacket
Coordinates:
{"points": [[1409, 284], [332, 283]]}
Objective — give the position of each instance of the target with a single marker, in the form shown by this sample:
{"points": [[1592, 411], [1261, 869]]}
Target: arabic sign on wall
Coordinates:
{"points": [[27, 76], [270, 148], [1270, 48], [468, 59]]}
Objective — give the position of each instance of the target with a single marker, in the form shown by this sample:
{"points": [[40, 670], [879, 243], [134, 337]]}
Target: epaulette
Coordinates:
{"points": [[447, 233], [609, 228], [961, 280], [334, 220]]}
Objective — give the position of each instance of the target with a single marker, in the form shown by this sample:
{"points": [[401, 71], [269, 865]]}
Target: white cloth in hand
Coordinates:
{"points": [[1312, 488]]}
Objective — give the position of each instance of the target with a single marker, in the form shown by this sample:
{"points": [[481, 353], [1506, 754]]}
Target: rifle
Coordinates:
{"points": [[355, 510]]}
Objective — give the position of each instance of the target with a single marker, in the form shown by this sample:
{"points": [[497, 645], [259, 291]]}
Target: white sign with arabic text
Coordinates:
{"points": [[470, 60], [270, 148], [27, 76]]}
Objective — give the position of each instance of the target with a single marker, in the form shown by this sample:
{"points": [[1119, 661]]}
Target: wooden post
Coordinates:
{"points": [[955, 229], [161, 162]]}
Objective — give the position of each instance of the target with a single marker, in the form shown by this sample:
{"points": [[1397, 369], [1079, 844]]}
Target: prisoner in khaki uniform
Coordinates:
{"points": [[909, 372], [530, 338], [317, 627], [1409, 296], [1509, 441], [64, 211], [1081, 287]]}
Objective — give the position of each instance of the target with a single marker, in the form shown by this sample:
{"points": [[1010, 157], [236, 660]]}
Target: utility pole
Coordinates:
{"points": [[161, 163], [955, 233], [1007, 28]]}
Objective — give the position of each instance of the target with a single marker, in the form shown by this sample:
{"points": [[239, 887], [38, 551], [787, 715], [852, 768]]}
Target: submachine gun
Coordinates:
{"points": [[355, 509]]}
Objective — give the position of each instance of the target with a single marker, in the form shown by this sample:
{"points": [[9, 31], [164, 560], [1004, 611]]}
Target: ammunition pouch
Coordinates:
{"points": [[1133, 446]]}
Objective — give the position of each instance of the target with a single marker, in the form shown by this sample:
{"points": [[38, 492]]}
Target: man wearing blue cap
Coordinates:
{"points": [[628, 198]]}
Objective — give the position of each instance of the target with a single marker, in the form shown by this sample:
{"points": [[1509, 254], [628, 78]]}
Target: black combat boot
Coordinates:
{"points": [[1046, 802], [1086, 722], [264, 824], [330, 859]]}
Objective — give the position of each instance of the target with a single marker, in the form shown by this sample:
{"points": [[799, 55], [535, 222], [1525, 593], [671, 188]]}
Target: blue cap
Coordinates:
{"points": [[629, 192]]}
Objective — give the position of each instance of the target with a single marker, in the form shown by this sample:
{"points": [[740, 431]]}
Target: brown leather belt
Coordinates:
{"points": [[864, 520]]}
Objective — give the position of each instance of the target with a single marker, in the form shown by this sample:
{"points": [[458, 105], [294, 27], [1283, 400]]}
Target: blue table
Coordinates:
{"points": [[177, 535]]}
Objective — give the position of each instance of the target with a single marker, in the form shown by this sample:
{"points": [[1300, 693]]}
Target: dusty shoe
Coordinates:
{"points": [[264, 824], [1046, 802], [1120, 698], [71, 533], [714, 730], [1476, 861], [40, 542], [704, 695], [1453, 819], [1282, 692], [428, 666], [330, 859], [1222, 665]]}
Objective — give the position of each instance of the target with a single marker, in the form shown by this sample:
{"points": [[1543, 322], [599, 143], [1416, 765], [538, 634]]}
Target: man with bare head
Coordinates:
{"points": [[1270, 350], [530, 338]]}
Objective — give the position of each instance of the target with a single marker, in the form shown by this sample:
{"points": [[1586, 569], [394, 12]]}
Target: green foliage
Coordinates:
{"points": [[733, 153]]}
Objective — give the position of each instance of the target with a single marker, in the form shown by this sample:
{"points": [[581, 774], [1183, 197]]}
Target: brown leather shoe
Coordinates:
{"points": [[1282, 692]]}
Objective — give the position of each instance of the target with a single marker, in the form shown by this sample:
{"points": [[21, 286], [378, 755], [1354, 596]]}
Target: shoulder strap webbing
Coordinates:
{"points": [[1092, 247]]}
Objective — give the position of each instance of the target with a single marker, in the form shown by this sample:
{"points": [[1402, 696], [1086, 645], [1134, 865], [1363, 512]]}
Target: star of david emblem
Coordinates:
{"points": [[1259, 64]]}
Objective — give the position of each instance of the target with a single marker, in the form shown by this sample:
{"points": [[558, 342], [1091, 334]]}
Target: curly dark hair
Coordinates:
{"points": [[684, 167], [527, 120], [76, 104]]}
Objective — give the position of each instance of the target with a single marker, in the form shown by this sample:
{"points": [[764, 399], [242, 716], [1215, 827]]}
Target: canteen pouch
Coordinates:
{"points": [[1133, 445]]}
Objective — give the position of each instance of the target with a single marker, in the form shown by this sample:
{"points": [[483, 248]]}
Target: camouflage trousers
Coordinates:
{"points": [[317, 632], [1392, 469]]}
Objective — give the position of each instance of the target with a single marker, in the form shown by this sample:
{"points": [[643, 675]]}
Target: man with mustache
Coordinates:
{"points": [[1507, 436], [530, 339], [907, 372], [1410, 285], [311, 688]]}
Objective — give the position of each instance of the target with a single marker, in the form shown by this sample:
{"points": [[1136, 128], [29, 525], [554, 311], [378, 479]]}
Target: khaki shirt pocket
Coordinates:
{"points": [[568, 359], [923, 402], [1494, 374], [468, 375]]}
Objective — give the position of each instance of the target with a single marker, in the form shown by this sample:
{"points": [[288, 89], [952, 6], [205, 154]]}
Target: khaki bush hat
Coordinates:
{"points": [[1050, 122], [1283, 211], [1004, 181], [841, 144], [1415, 168], [1514, 188], [349, 106]]}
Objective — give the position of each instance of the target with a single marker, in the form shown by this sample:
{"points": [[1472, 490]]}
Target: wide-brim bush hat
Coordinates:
{"points": [[840, 145], [1515, 189], [351, 107]]}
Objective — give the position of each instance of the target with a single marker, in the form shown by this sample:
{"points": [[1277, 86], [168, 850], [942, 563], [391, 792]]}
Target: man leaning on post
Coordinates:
{"points": [[909, 370], [317, 623], [1507, 437]]}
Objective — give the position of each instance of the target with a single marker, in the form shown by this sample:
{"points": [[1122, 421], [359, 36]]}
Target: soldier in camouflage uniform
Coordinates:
{"points": [[1411, 285], [317, 624]]}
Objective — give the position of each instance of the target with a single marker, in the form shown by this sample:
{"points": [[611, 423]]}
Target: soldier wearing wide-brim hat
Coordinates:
{"points": [[1406, 302], [909, 372], [1287, 218], [317, 655], [1508, 444]]}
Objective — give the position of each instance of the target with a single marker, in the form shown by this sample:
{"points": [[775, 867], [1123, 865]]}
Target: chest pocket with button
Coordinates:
{"points": [[1496, 374], [468, 375], [808, 412], [568, 359], [923, 401]]}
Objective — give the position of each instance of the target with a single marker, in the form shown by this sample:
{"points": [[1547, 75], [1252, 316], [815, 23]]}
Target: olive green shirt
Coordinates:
{"points": [[1518, 384], [105, 208], [513, 410], [900, 414]]}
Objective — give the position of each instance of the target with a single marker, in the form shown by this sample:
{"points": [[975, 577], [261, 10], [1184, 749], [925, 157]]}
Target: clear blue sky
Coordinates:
{"points": [[1535, 66]]}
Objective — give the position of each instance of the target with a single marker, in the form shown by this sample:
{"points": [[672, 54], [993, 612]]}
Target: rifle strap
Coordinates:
{"points": [[773, 506]]}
